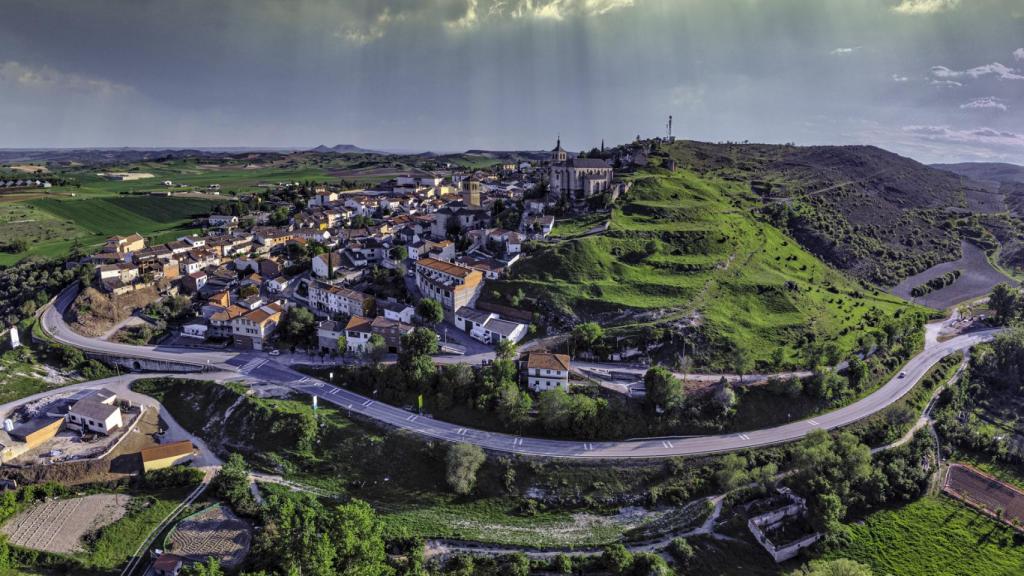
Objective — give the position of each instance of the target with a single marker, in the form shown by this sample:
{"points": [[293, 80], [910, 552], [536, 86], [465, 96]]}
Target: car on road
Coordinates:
{"points": [[275, 352], [902, 374]]}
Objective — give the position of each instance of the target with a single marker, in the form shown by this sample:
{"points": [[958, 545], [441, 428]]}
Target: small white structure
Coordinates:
{"points": [[488, 327], [195, 329], [357, 334]]}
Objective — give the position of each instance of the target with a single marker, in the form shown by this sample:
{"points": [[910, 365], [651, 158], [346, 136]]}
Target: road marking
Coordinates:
{"points": [[588, 446], [318, 385], [812, 422], [335, 390], [460, 432], [411, 418], [667, 444], [368, 403], [517, 442], [744, 436]]}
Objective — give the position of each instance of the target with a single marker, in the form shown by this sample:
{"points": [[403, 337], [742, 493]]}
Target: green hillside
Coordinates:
{"points": [[689, 253]]}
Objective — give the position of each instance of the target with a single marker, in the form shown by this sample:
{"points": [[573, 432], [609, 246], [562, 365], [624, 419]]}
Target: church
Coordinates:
{"points": [[577, 177]]}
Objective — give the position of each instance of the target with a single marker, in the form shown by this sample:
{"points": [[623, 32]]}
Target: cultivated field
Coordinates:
{"points": [[985, 492], [59, 525], [976, 279], [215, 532]]}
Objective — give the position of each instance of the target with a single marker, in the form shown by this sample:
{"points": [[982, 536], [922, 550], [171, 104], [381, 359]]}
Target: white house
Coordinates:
{"points": [[546, 371], [357, 334], [219, 220], [397, 311], [196, 328], [96, 413], [488, 327]]}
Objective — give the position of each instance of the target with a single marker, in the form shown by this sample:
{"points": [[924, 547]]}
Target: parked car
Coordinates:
{"points": [[275, 352]]}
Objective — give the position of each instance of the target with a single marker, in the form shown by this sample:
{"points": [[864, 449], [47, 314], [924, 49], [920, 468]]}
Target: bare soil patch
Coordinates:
{"points": [[94, 313], [215, 532], [985, 492], [59, 525], [977, 278]]}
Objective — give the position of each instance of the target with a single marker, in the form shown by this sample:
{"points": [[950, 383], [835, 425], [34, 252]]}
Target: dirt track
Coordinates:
{"points": [[977, 278]]}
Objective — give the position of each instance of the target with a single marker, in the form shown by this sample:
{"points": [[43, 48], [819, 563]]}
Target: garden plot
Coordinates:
{"points": [[977, 278], [59, 525], [216, 532], [985, 492]]}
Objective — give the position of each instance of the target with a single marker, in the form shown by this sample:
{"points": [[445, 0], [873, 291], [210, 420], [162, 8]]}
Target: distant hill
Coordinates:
{"points": [[343, 149], [872, 213], [986, 171]]}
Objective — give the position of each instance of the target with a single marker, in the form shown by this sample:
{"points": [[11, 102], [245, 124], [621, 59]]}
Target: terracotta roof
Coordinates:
{"points": [[545, 361], [358, 324], [264, 313], [166, 451], [444, 267]]}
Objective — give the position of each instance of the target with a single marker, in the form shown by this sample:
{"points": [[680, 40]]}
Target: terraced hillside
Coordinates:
{"points": [[687, 252], [876, 215]]}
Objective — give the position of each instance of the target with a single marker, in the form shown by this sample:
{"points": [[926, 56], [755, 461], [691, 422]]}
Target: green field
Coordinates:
{"points": [[688, 246], [934, 536], [89, 221]]}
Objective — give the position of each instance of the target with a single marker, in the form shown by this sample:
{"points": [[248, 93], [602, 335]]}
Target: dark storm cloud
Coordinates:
{"points": [[456, 74]]}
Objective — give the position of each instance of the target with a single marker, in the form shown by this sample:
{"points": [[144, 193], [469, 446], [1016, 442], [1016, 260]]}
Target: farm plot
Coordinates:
{"points": [[215, 531], [59, 525], [985, 492], [977, 278]]}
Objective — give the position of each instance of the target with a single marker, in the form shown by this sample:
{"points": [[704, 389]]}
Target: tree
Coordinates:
{"points": [[298, 326], [856, 370], [376, 347], [837, 567], [505, 350], [357, 536], [462, 464], [681, 551], [430, 311], [742, 362], [232, 482], [209, 568], [663, 388], [419, 342], [616, 559], [554, 408], [733, 472], [587, 334], [1004, 302], [342, 345], [514, 405], [399, 252]]}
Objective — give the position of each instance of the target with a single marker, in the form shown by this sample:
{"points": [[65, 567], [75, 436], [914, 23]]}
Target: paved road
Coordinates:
{"points": [[261, 367]]}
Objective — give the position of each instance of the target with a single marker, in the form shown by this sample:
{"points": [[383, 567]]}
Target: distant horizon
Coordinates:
{"points": [[410, 152], [934, 80]]}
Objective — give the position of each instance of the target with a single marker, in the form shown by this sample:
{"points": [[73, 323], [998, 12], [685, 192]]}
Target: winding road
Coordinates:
{"points": [[262, 367]]}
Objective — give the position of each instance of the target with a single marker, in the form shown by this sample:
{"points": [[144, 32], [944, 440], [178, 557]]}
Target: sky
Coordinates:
{"points": [[937, 80]]}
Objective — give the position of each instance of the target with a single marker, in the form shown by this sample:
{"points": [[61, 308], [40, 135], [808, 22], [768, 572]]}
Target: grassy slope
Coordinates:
{"points": [[710, 255], [934, 535]]}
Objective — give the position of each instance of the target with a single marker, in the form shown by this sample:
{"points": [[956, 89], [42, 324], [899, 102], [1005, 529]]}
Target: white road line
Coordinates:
{"points": [[411, 418], [667, 444], [812, 422], [744, 437], [368, 403]]}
